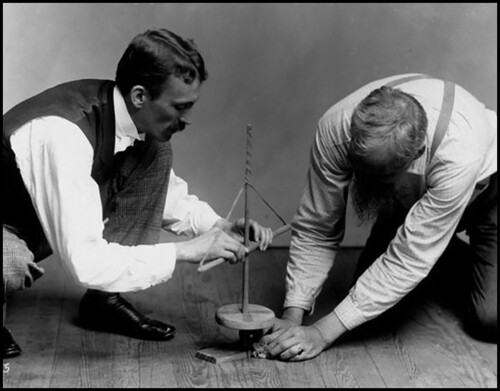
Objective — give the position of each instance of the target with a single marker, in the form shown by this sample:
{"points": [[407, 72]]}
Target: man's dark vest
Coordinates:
{"points": [[88, 104]]}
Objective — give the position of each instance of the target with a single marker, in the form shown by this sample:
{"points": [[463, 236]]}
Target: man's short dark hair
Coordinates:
{"points": [[152, 57], [388, 117]]}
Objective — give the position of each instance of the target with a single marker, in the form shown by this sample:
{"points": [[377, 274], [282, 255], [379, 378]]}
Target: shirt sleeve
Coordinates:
{"points": [[418, 244], [55, 161], [184, 213], [318, 226]]}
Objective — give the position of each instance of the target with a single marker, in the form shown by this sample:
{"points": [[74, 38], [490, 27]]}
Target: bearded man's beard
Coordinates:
{"points": [[371, 199]]}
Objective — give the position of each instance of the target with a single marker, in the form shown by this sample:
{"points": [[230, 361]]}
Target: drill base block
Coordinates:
{"points": [[257, 317]]}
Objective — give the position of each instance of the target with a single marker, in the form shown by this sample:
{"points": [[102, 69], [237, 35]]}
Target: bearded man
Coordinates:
{"points": [[419, 155]]}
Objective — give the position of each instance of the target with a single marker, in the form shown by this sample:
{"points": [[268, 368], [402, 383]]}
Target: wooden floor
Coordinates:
{"points": [[423, 346]]}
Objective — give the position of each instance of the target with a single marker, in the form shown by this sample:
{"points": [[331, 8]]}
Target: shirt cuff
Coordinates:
{"points": [[165, 257], [348, 314], [305, 304]]}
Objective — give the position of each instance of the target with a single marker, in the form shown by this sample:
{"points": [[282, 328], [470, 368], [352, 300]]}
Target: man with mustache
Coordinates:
{"points": [[87, 175], [420, 157]]}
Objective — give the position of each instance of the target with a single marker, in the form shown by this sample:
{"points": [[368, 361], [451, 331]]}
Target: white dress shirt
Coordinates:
{"points": [[467, 155], [55, 161]]}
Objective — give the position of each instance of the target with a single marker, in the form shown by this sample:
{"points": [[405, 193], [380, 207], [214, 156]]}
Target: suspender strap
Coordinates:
{"points": [[446, 108], [396, 82], [444, 116]]}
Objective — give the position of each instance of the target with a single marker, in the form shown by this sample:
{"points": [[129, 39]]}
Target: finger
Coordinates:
{"points": [[238, 237], [232, 244], [276, 331], [300, 357], [267, 239], [239, 225], [281, 343], [239, 252], [292, 352], [243, 251], [228, 247], [255, 234], [236, 233], [266, 330], [234, 252], [261, 235], [231, 258]]}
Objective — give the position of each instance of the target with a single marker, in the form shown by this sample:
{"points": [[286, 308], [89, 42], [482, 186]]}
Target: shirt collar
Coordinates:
{"points": [[125, 127]]}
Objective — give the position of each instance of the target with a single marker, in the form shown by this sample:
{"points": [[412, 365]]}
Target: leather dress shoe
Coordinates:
{"points": [[10, 347], [112, 313]]}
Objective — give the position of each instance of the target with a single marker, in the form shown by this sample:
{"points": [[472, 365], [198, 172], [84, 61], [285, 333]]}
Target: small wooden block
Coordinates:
{"points": [[217, 355], [257, 317]]}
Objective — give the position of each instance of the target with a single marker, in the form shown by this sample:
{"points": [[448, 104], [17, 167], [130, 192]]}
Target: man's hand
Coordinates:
{"points": [[292, 316], [295, 343], [278, 327], [291, 342], [211, 245], [257, 232]]}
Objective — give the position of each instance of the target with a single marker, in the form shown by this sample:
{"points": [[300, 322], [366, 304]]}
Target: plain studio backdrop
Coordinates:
{"points": [[278, 67]]}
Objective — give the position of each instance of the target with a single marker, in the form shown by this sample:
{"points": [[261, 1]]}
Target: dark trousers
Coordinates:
{"points": [[479, 258]]}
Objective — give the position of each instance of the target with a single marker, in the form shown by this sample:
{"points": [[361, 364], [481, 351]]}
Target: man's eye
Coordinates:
{"points": [[183, 107]]}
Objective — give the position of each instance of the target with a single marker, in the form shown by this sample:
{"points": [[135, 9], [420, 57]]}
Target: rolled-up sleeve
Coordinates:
{"points": [[186, 214]]}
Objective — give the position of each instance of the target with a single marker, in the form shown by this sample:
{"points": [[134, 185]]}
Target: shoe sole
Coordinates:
{"points": [[104, 328]]}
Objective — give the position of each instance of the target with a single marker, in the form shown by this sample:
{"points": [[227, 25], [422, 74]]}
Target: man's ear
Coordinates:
{"points": [[138, 95], [420, 151]]}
